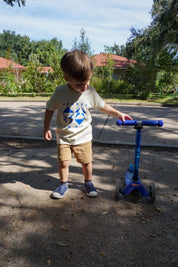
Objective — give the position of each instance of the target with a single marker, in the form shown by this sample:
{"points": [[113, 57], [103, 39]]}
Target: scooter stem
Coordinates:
{"points": [[138, 127]]}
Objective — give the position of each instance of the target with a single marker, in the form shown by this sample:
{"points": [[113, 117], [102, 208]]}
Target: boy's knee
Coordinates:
{"points": [[64, 164], [86, 165]]}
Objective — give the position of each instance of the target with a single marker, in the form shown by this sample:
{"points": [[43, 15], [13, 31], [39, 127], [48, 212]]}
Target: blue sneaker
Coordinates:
{"points": [[60, 191], [90, 190]]}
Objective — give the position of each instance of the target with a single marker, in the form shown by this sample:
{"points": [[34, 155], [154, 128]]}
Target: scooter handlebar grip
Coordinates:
{"points": [[153, 123], [126, 122], [146, 123], [160, 123]]}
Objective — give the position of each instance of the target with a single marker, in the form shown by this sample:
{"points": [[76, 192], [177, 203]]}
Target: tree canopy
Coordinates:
{"points": [[12, 2], [84, 44], [154, 48], [18, 48]]}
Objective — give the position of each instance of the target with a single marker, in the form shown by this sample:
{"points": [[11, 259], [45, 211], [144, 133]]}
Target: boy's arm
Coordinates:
{"points": [[115, 113], [47, 119]]}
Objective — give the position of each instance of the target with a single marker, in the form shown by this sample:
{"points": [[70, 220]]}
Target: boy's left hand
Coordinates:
{"points": [[124, 117]]}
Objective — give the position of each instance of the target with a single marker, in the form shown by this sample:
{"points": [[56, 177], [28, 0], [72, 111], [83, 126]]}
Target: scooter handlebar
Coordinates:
{"points": [[145, 123]]}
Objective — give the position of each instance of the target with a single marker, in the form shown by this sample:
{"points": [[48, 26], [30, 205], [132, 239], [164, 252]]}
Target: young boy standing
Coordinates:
{"points": [[73, 102]]}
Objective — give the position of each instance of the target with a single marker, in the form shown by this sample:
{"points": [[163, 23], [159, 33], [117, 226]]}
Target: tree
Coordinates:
{"points": [[116, 49], [156, 46], [12, 2], [164, 15], [84, 44], [15, 47], [18, 48]]}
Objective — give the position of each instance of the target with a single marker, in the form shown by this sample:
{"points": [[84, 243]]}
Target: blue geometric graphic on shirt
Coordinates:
{"points": [[68, 113], [80, 115]]}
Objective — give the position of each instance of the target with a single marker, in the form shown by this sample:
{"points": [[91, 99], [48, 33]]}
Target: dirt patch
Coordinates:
{"points": [[76, 230]]}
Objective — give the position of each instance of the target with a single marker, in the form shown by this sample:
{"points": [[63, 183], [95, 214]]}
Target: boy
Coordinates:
{"points": [[73, 102]]}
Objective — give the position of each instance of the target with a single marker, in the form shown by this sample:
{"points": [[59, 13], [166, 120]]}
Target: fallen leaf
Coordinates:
{"points": [[145, 219], [158, 209], [13, 194], [163, 194], [153, 235], [62, 244], [63, 227]]}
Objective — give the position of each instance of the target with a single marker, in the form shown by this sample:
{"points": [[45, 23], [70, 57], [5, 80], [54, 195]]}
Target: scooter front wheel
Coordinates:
{"points": [[152, 193], [118, 194]]}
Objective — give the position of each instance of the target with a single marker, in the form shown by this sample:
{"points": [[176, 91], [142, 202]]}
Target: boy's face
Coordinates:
{"points": [[77, 86]]}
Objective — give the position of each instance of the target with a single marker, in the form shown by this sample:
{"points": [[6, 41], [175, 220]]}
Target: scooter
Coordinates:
{"points": [[132, 180]]}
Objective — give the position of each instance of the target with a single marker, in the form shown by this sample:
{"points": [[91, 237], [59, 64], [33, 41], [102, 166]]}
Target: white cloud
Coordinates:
{"points": [[105, 22]]}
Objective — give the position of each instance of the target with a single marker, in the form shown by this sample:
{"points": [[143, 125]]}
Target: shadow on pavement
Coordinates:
{"points": [[77, 230]]}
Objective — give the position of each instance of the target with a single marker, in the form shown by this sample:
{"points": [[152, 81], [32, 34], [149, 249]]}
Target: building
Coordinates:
{"points": [[120, 63], [11, 66]]}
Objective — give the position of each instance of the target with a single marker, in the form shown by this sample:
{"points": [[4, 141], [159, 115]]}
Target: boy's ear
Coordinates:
{"points": [[66, 78]]}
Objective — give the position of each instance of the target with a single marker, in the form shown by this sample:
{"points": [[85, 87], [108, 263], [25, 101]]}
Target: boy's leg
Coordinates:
{"points": [[87, 171], [64, 155], [83, 154], [63, 169]]}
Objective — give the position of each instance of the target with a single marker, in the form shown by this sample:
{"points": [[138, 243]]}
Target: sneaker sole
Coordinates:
{"points": [[57, 195], [91, 194]]}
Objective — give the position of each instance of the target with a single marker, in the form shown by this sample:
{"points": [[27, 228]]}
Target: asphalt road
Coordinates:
{"points": [[25, 120]]}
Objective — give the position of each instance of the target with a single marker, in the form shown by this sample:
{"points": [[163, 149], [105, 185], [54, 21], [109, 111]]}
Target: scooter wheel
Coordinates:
{"points": [[118, 194], [152, 193]]}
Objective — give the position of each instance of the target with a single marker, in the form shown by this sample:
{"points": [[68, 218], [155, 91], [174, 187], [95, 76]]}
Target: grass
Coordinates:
{"points": [[171, 99]]}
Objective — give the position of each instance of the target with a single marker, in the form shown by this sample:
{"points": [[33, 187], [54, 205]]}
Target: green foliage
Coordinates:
{"points": [[38, 54], [9, 84], [154, 48], [116, 87], [106, 72], [53, 59], [11, 2], [141, 84], [36, 81], [18, 48], [164, 14], [116, 49], [166, 82], [83, 44]]}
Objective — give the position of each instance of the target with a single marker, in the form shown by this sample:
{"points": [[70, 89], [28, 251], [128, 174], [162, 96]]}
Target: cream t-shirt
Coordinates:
{"points": [[73, 119]]}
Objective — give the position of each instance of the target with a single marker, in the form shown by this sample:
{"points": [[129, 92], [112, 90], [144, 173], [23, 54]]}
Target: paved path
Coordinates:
{"points": [[25, 119], [38, 231]]}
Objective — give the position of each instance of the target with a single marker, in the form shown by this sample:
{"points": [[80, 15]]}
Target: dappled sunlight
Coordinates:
{"points": [[104, 126], [38, 230], [33, 165]]}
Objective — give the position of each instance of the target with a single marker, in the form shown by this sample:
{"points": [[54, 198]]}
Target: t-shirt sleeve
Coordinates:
{"points": [[52, 103], [98, 102]]}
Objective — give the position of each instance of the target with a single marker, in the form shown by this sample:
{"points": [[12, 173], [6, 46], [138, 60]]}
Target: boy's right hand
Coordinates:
{"points": [[47, 135]]}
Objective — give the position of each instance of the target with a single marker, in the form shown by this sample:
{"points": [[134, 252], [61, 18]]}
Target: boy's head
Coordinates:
{"points": [[77, 65]]}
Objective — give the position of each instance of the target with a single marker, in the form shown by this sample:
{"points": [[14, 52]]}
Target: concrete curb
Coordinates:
{"points": [[109, 143]]}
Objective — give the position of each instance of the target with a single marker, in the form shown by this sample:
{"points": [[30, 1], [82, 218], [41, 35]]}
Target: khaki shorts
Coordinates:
{"points": [[82, 152]]}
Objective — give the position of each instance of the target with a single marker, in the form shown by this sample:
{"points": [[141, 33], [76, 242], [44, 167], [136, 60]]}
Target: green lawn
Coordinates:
{"points": [[154, 98], [161, 99]]}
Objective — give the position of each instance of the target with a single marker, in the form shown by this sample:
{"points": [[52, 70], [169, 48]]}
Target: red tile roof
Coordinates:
{"points": [[6, 63], [120, 62], [46, 69]]}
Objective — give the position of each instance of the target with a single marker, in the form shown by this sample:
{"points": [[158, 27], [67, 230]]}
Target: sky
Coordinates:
{"points": [[106, 22]]}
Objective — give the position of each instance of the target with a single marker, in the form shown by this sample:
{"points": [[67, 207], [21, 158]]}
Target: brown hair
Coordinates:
{"points": [[77, 65]]}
